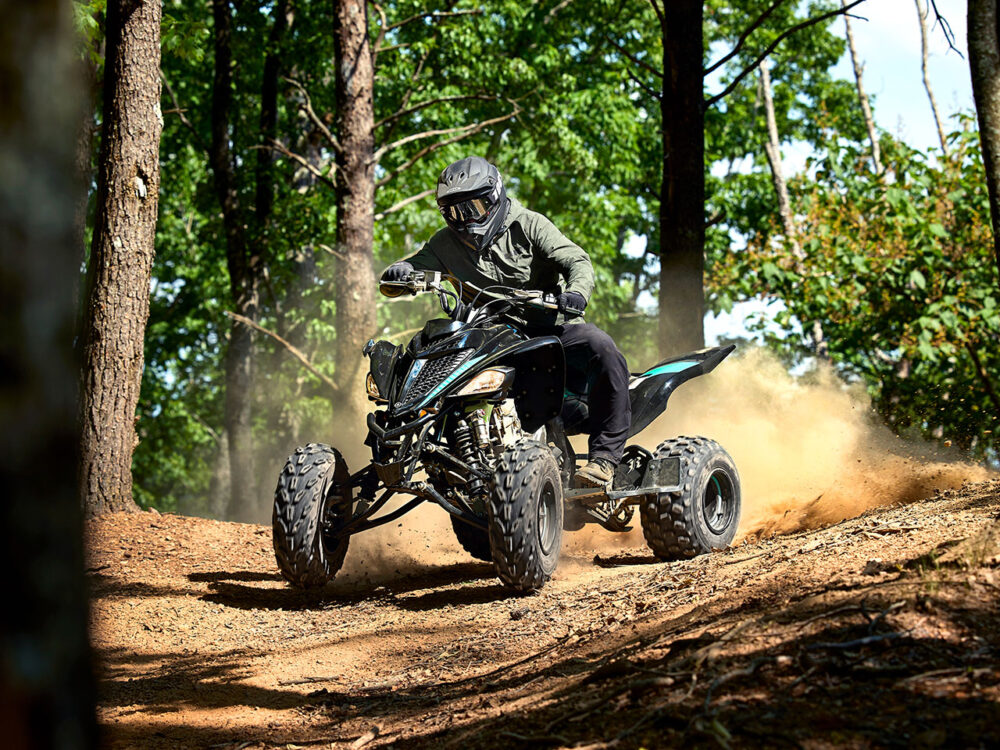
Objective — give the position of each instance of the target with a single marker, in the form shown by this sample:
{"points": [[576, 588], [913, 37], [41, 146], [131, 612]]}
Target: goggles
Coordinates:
{"points": [[471, 210]]}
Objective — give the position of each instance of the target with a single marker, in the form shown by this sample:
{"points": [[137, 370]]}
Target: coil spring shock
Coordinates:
{"points": [[465, 448]]}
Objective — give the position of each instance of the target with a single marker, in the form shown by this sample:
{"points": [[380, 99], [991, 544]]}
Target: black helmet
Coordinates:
{"points": [[473, 200]]}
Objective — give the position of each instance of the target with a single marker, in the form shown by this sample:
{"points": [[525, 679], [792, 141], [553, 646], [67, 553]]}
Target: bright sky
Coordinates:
{"points": [[888, 43], [889, 46]]}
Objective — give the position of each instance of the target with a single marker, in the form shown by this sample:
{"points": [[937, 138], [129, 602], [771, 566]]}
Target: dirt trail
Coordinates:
{"points": [[880, 630]]}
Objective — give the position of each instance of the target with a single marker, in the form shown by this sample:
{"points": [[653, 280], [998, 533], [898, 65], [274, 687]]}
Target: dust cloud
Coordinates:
{"points": [[810, 450], [420, 542]]}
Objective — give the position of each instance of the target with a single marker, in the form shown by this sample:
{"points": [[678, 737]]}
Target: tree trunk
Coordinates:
{"points": [[922, 11], [866, 109], [772, 149], [355, 286], [84, 167], [984, 61], [243, 279], [264, 202], [46, 687], [121, 254], [682, 193]]}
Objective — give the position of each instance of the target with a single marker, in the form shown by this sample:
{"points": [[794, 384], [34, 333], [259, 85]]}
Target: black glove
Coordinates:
{"points": [[572, 302], [398, 271]]}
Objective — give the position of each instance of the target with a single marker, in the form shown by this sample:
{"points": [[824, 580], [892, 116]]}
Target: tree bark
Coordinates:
{"points": [[682, 193], [46, 687], [866, 109], [984, 61], [121, 254], [244, 279], [355, 194], [922, 11]]}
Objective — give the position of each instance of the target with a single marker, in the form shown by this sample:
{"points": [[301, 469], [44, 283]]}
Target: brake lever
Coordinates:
{"points": [[543, 301]]}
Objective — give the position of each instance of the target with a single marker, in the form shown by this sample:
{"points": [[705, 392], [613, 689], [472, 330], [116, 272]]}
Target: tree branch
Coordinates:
{"points": [[404, 102], [641, 63], [434, 16], [641, 84], [177, 110], [313, 169], [949, 35], [429, 103], [555, 10], [306, 106], [404, 203], [292, 349], [441, 144], [380, 152], [391, 47], [383, 27], [743, 37], [773, 45]]}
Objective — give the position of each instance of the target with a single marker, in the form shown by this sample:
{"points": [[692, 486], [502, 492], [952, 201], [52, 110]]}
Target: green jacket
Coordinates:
{"points": [[529, 254]]}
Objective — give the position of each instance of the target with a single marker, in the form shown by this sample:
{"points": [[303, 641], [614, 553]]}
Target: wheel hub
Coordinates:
{"points": [[718, 502]]}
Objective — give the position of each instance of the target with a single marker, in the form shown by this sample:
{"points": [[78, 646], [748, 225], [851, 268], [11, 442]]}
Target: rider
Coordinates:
{"points": [[492, 239]]}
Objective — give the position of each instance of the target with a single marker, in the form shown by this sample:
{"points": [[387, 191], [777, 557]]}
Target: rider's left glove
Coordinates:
{"points": [[398, 271], [572, 302]]}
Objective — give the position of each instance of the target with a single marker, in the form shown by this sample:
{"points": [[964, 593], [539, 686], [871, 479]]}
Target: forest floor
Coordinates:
{"points": [[881, 630]]}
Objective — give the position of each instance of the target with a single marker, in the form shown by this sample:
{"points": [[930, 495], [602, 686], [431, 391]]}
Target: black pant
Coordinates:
{"points": [[595, 366]]}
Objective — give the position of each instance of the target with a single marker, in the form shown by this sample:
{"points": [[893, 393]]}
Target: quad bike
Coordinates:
{"points": [[480, 408]]}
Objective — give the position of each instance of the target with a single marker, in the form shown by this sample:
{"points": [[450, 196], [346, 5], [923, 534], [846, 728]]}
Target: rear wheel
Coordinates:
{"points": [[306, 495], [705, 514], [525, 513], [475, 541]]}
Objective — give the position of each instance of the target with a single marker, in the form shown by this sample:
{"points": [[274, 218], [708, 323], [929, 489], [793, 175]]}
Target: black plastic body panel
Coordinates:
{"points": [[539, 364], [650, 390], [384, 356]]}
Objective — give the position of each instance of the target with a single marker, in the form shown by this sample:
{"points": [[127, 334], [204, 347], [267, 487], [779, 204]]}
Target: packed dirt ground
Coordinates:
{"points": [[879, 630]]}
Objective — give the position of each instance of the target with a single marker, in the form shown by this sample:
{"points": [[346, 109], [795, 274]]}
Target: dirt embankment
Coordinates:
{"points": [[880, 630]]}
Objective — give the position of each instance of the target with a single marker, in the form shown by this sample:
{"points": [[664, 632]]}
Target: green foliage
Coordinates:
{"points": [[900, 275]]}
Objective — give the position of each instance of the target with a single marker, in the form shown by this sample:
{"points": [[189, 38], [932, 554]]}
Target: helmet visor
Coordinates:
{"points": [[467, 212], [471, 210]]}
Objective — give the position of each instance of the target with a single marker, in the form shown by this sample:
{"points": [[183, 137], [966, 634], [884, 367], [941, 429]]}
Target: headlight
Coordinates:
{"points": [[487, 381], [372, 389]]}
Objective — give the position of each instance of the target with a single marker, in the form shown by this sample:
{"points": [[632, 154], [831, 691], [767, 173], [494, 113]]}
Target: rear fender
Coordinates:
{"points": [[649, 390]]}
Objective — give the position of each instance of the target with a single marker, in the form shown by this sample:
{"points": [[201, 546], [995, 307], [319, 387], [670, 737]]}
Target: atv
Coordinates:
{"points": [[480, 409]]}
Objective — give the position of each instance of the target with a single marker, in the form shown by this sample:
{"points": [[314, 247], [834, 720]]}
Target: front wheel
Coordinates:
{"points": [[307, 495], [705, 514], [525, 516], [474, 540]]}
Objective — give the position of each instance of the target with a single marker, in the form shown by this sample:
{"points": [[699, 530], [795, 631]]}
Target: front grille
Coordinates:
{"points": [[432, 373]]}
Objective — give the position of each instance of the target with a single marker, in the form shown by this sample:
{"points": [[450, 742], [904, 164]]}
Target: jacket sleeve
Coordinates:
{"points": [[423, 260], [571, 260]]}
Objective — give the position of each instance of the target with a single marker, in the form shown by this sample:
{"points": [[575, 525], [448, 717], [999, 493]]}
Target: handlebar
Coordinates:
{"points": [[431, 281]]}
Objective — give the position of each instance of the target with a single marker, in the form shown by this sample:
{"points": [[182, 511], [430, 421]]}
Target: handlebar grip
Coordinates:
{"points": [[395, 288]]}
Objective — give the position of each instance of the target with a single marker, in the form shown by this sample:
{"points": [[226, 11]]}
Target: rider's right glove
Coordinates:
{"points": [[573, 302], [398, 271]]}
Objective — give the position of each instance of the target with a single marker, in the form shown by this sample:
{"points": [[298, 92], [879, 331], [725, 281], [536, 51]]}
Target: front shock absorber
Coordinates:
{"points": [[465, 449]]}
